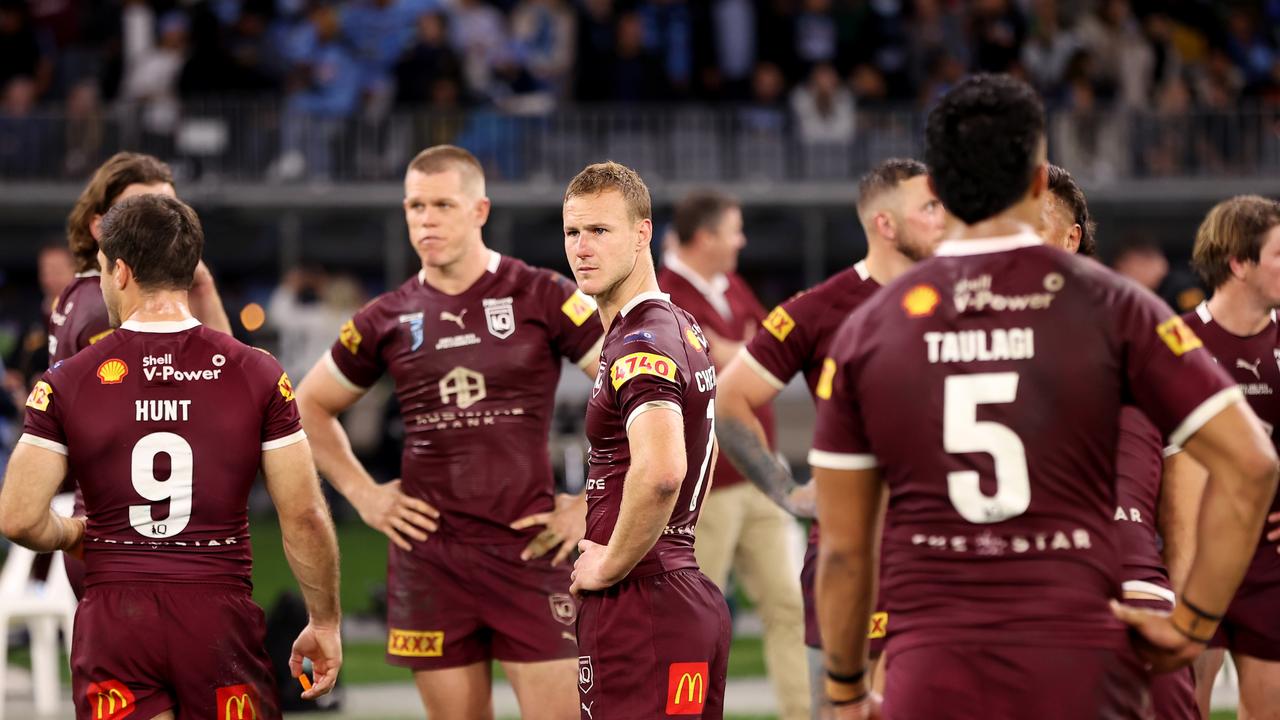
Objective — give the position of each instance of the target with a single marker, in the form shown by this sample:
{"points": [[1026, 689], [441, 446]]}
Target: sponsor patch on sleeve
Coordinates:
{"points": [[578, 307], [39, 397], [641, 363], [350, 337], [826, 379], [285, 387], [779, 323], [94, 340], [879, 625], [1178, 336]]}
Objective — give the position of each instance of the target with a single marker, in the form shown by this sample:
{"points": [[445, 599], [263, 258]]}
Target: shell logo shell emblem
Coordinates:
{"points": [[112, 371], [920, 301]]}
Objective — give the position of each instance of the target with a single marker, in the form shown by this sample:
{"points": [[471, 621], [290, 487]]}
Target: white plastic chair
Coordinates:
{"points": [[43, 607]]}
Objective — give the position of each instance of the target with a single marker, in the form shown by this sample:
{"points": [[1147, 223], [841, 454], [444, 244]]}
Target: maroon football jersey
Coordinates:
{"points": [[654, 356], [1254, 363], [1139, 470], [78, 318], [744, 311], [475, 374], [164, 425], [987, 383]]}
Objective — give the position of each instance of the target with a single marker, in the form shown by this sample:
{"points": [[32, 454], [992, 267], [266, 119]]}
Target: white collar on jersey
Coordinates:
{"points": [[495, 259], [986, 246], [860, 267], [1206, 317], [89, 273], [713, 290], [651, 295], [160, 327]]}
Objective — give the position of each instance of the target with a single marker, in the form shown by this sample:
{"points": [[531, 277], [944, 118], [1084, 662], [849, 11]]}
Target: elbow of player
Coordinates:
{"points": [[15, 525], [665, 482], [1260, 470]]}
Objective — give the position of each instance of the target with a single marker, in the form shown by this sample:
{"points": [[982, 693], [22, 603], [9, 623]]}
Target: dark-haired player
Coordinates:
{"points": [[653, 631], [999, 552], [1155, 516], [903, 221], [474, 343], [1237, 253], [166, 424]]}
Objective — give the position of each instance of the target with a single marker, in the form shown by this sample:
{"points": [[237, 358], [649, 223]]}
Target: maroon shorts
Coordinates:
{"points": [[877, 634], [655, 646], [139, 649], [1173, 694], [1013, 682], [1252, 623], [452, 604]]}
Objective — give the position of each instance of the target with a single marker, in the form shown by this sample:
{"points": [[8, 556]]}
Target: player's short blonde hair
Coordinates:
{"points": [[609, 175], [443, 158], [1233, 230]]}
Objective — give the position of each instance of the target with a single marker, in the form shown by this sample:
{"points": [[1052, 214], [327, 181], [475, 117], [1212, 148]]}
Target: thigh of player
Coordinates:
{"points": [[653, 647], [944, 682]]}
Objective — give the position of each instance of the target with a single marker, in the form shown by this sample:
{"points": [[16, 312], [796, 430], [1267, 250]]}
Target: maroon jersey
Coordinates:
{"points": [[78, 318], [1139, 470], [744, 312], [987, 383], [164, 426], [1254, 363], [475, 374], [654, 356]]}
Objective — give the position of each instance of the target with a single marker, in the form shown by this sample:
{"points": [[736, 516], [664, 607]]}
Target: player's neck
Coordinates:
{"points": [[1016, 220], [160, 306], [641, 280], [884, 265], [701, 266], [1238, 310], [457, 277]]}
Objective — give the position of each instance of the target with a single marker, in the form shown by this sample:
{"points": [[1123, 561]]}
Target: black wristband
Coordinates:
{"points": [[1186, 634], [1192, 607], [853, 701], [850, 679]]}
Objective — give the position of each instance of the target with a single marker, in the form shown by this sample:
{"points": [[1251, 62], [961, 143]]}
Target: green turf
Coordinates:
{"points": [[1223, 715], [364, 564]]}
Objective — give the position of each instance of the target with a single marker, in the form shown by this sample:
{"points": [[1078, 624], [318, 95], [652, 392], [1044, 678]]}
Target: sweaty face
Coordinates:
{"points": [[921, 219], [1058, 226], [1264, 278], [726, 240], [110, 296], [442, 216], [602, 241]]}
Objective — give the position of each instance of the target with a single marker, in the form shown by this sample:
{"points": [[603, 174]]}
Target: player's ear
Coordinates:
{"points": [[95, 227], [1073, 238], [482, 211], [644, 233], [1040, 181], [1238, 267], [885, 225]]}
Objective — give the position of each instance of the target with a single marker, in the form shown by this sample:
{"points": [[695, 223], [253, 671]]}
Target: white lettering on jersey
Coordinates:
{"points": [[160, 367], [706, 379], [1131, 515], [975, 294], [162, 410], [977, 346]]}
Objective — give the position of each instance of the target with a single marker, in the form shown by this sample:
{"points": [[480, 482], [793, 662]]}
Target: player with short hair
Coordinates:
{"points": [[739, 528], [474, 342], [998, 547], [166, 424], [1065, 220], [653, 631], [1237, 254], [903, 221]]}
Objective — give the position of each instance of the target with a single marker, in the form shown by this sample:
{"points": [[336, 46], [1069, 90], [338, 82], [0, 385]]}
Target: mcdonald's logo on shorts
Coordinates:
{"points": [[237, 702], [110, 700], [879, 625], [687, 688]]}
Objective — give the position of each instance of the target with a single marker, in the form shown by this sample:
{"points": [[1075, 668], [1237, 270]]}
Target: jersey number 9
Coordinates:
{"points": [[176, 489]]}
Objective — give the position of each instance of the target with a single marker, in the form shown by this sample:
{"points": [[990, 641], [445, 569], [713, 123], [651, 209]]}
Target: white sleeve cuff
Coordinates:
{"points": [[653, 405], [40, 442], [754, 364], [337, 374], [842, 461], [1203, 414], [285, 441]]}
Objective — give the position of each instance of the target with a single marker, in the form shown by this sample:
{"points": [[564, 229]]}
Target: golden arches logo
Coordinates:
{"points": [[236, 702], [112, 371], [687, 688], [241, 702], [110, 700]]}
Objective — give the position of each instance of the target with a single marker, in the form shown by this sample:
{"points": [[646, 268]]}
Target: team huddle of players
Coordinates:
{"points": [[1017, 453]]}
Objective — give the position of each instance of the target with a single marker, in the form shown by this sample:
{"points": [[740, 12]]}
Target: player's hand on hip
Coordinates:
{"points": [[75, 544], [562, 527], [1155, 639], [589, 572], [868, 709], [322, 645], [803, 501], [1274, 533], [397, 515]]}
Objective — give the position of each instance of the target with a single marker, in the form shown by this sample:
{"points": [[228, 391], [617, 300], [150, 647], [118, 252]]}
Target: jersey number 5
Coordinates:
{"points": [[176, 489], [963, 433]]}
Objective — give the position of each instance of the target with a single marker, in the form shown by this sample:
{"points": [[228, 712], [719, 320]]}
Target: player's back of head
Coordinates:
{"points": [[1234, 229], [603, 177], [158, 237], [700, 210], [982, 145], [111, 178]]}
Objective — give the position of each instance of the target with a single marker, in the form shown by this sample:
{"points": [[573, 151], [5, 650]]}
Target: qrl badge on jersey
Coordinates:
{"points": [[641, 363], [500, 316]]}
